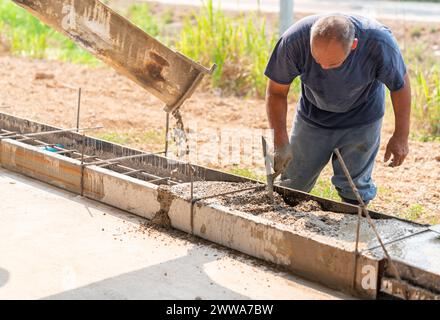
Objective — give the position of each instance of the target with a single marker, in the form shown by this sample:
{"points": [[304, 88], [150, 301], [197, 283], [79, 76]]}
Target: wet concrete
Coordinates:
{"points": [[421, 251], [435, 228], [164, 197], [306, 217]]}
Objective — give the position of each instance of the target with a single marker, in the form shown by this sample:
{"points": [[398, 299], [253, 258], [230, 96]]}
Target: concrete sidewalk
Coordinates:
{"points": [[57, 245]]}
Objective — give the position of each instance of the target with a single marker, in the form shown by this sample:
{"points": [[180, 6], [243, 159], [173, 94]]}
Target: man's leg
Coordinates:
{"points": [[312, 148], [359, 148]]}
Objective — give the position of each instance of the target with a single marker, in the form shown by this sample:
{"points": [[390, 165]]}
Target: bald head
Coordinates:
{"points": [[336, 28], [332, 38]]}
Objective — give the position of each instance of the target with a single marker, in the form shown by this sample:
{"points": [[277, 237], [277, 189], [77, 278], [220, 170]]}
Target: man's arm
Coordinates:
{"points": [[276, 108], [398, 144]]}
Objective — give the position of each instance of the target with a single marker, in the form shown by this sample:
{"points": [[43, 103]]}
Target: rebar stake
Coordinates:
{"points": [[356, 250], [167, 130], [363, 208], [82, 162], [192, 171], [78, 110]]}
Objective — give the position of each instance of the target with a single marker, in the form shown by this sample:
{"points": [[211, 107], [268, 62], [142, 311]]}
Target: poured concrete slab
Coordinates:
{"points": [[420, 250], [417, 258], [57, 245]]}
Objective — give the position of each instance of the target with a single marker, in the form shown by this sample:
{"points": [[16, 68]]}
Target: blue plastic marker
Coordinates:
{"points": [[52, 149]]}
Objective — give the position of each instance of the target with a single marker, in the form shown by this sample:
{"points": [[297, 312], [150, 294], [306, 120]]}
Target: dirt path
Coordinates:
{"points": [[134, 117]]}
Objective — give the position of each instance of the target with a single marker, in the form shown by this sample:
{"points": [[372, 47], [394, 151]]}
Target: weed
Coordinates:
{"points": [[325, 189], [415, 211]]}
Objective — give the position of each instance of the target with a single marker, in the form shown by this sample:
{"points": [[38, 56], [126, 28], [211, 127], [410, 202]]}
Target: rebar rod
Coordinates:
{"points": [[42, 133], [229, 192], [356, 250], [132, 171], [78, 110], [365, 211], [82, 157], [160, 179], [118, 159]]}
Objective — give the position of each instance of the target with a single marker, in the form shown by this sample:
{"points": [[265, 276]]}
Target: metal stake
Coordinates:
{"points": [[365, 211], [356, 251], [82, 163], [192, 171], [167, 130], [78, 110], [118, 159], [42, 133]]}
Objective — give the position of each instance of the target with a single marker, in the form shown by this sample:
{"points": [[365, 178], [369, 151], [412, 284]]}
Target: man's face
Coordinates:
{"points": [[329, 53]]}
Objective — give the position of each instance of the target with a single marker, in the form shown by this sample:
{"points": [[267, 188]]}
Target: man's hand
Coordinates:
{"points": [[398, 147], [282, 156]]}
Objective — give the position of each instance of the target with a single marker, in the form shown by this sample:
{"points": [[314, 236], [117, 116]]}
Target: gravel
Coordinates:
{"points": [[307, 215]]}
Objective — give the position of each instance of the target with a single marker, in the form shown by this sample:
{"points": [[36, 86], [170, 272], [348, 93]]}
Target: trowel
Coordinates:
{"points": [[269, 164]]}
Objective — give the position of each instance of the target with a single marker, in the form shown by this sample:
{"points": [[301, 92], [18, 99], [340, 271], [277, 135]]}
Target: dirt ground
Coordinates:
{"points": [[124, 109]]}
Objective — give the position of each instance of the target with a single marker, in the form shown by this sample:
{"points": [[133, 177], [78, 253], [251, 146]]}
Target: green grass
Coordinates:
{"points": [[434, 220], [116, 137], [426, 101], [325, 189], [415, 211], [151, 137], [416, 32], [247, 173], [167, 17], [27, 36], [424, 72], [238, 46], [140, 15]]}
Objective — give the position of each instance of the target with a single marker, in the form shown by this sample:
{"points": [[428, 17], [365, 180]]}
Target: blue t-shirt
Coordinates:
{"points": [[351, 94]]}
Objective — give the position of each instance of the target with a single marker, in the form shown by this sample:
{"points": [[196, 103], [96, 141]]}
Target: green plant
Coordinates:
{"points": [[168, 17], [240, 48], [325, 189], [116, 137], [140, 15], [27, 36], [246, 172], [426, 101], [416, 32], [152, 137], [415, 211]]}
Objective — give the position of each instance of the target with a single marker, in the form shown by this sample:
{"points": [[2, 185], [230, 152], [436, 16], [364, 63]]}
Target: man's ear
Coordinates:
{"points": [[355, 44]]}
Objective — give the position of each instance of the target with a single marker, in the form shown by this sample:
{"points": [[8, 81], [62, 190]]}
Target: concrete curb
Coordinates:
{"points": [[303, 255]]}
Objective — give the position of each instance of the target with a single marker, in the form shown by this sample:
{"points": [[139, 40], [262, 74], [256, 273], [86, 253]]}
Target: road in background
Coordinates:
{"points": [[411, 11]]}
